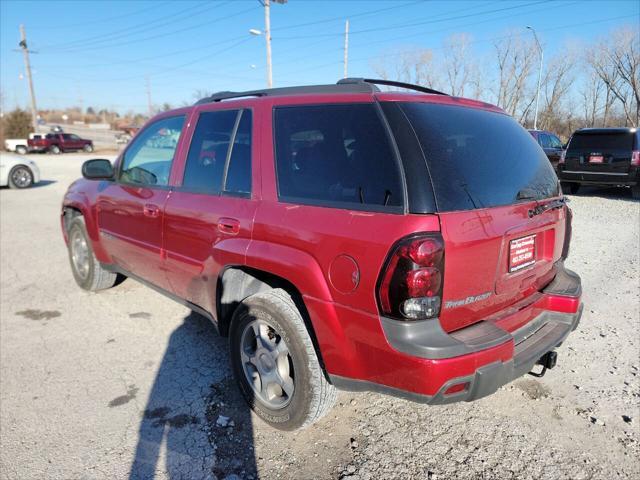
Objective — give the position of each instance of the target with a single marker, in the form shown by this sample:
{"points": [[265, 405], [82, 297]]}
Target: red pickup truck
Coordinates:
{"points": [[59, 142]]}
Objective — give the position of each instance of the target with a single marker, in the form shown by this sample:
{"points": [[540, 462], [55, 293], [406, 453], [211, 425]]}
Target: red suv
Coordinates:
{"points": [[342, 238]]}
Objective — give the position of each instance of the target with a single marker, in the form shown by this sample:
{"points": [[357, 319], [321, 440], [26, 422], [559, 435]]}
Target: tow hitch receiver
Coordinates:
{"points": [[548, 361]]}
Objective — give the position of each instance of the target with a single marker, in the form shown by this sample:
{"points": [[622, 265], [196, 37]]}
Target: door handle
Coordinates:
{"points": [[230, 226], [150, 210]]}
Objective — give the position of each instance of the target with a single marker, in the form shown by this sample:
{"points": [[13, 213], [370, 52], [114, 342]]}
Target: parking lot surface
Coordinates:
{"points": [[128, 384]]}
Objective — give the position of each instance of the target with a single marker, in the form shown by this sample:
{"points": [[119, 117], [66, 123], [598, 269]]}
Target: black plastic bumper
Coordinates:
{"points": [[630, 178]]}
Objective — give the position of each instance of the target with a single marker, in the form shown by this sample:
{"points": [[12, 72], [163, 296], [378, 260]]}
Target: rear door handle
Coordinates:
{"points": [[150, 210], [230, 226]]}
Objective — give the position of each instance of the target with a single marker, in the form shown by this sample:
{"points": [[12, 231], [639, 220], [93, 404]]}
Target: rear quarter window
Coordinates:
{"points": [[478, 158], [336, 156]]}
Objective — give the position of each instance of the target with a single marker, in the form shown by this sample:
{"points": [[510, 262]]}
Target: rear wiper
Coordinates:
{"points": [[527, 194], [552, 205]]}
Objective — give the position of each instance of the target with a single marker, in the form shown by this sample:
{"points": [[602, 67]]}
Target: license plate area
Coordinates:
{"points": [[522, 253], [596, 159]]}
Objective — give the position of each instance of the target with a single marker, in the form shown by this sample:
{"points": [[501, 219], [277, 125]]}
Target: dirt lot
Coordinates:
{"points": [[128, 383]]}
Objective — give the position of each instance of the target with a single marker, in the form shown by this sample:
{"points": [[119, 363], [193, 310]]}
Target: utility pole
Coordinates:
{"points": [[535, 118], [149, 104], [267, 36], [346, 49], [27, 67]]}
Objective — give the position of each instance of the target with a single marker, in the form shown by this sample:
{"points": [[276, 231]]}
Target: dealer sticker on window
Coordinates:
{"points": [[522, 253]]}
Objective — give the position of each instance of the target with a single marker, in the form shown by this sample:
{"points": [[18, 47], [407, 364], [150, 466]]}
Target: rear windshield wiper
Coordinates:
{"points": [[552, 205]]}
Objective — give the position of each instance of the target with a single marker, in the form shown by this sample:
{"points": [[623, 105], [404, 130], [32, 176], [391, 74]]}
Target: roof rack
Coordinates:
{"points": [[345, 85], [390, 83]]}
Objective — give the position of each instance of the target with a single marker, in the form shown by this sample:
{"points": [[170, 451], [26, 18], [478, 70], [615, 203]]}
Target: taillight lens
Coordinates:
{"points": [[562, 156], [410, 286], [635, 158], [568, 222]]}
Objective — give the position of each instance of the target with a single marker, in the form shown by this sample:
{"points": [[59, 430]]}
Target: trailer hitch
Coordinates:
{"points": [[548, 361]]}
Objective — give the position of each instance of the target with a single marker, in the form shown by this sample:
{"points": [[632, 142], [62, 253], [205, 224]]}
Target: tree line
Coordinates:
{"points": [[590, 85]]}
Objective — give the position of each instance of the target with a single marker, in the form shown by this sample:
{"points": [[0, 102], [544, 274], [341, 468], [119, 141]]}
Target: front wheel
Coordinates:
{"points": [[55, 149], [570, 187], [86, 269], [275, 363], [20, 176], [88, 148]]}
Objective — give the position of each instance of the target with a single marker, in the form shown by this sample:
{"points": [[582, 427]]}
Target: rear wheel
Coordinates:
{"points": [[635, 192], [20, 176], [570, 187], [275, 363], [21, 149], [87, 271], [55, 149]]}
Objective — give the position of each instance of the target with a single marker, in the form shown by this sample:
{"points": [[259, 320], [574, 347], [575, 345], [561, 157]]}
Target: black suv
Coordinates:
{"points": [[602, 156]]}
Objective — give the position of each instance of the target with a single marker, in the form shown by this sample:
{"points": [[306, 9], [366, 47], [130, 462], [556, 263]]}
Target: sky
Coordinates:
{"points": [[106, 54]]}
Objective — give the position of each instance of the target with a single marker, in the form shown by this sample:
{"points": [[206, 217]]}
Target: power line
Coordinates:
{"points": [[415, 24]]}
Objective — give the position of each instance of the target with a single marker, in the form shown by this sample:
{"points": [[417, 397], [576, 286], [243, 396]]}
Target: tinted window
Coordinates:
{"points": [[598, 142], [336, 155], [555, 141], [239, 170], [208, 151], [545, 140], [148, 159], [479, 158]]}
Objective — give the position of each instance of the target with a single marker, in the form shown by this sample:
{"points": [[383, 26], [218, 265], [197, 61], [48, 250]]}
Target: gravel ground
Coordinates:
{"points": [[127, 383]]}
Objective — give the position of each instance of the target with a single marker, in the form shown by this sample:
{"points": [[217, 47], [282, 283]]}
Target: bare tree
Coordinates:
{"points": [[616, 62], [516, 59], [413, 66], [556, 86], [461, 71], [591, 99]]}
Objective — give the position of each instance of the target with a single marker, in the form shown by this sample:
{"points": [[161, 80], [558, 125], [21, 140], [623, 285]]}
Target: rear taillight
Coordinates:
{"points": [[410, 285], [568, 221], [562, 155], [635, 158]]}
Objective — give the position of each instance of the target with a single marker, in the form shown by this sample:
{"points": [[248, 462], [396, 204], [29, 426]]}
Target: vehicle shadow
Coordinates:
{"points": [[195, 423], [41, 183], [616, 193]]}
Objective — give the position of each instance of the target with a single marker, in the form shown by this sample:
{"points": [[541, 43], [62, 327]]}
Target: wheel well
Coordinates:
{"points": [[69, 213], [237, 283]]}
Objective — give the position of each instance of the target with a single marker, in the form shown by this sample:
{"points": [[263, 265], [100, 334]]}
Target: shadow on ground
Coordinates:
{"points": [[195, 422], [616, 193]]}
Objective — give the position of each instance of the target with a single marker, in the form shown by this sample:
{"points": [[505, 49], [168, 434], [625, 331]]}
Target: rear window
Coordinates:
{"points": [[336, 156], [598, 142], [478, 158]]}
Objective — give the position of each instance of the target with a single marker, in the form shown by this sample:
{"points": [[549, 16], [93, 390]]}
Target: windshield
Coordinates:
{"points": [[478, 158], [599, 142]]}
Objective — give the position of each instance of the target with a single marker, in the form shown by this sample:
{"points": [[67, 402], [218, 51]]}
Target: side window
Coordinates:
{"points": [[148, 159], [208, 151], [336, 155], [238, 180], [545, 141], [555, 141]]}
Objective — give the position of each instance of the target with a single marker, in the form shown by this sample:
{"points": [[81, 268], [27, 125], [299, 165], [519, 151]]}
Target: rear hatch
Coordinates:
{"points": [[490, 178], [600, 151]]}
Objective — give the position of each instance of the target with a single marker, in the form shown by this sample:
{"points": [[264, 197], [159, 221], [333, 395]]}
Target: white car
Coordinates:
{"points": [[18, 172]]}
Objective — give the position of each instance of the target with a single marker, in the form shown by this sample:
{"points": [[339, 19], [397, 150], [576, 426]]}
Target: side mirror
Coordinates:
{"points": [[97, 169]]}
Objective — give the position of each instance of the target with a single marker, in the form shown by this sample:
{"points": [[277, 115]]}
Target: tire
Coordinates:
{"points": [[55, 149], [635, 192], [87, 271], [310, 395], [21, 150], [88, 148], [570, 187], [20, 177]]}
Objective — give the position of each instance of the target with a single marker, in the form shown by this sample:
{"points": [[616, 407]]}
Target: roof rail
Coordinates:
{"points": [[391, 83], [353, 87], [345, 85]]}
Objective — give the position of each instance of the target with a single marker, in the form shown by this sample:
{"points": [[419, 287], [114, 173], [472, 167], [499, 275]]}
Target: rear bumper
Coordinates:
{"points": [[480, 358], [600, 178]]}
